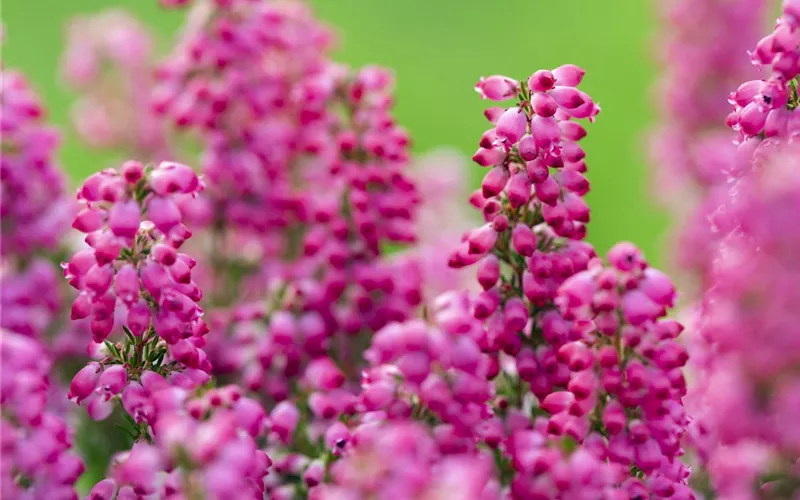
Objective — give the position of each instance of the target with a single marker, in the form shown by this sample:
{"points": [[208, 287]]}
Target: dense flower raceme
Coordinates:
{"points": [[746, 350], [704, 48], [532, 145], [561, 377], [133, 269], [590, 343], [402, 460], [202, 446], [612, 389], [107, 59], [34, 211], [37, 461], [241, 78], [304, 163], [435, 370], [337, 284], [748, 325], [764, 114], [417, 371], [35, 217], [304, 158]]}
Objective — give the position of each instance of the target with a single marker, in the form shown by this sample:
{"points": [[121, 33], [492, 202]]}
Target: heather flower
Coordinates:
{"points": [[585, 348], [744, 348], [37, 461], [527, 141], [132, 265], [34, 211], [760, 105], [202, 445], [402, 460], [30, 298], [305, 168], [437, 369], [747, 332], [560, 377], [303, 161], [107, 60], [702, 47], [242, 75]]}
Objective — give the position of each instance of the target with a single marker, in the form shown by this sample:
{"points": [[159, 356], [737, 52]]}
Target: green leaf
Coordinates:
{"points": [[113, 350], [129, 334], [146, 353], [127, 431], [158, 359], [130, 419]]}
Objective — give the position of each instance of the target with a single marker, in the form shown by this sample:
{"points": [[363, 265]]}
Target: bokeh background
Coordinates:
{"points": [[438, 49]]}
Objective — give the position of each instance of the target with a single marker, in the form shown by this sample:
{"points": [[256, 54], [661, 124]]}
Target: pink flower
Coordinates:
{"points": [[497, 88]]}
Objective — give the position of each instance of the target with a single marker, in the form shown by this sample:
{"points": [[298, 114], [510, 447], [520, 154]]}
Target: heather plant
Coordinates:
{"points": [[271, 298], [702, 47]]}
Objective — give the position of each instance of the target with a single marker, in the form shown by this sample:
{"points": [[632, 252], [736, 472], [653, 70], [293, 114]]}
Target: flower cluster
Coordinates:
{"points": [[402, 460], [134, 231], [534, 144], [438, 370], [746, 354], [303, 161], [37, 461], [30, 298], [586, 348], [751, 362], [332, 367], [764, 108], [204, 445], [249, 78], [338, 284], [34, 210], [107, 60], [703, 47], [133, 269]]}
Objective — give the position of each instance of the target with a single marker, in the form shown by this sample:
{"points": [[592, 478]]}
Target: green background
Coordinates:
{"points": [[438, 49]]}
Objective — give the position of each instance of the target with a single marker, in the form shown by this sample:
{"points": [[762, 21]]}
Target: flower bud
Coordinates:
{"points": [[541, 81], [163, 213], [497, 88], [512, 125], [84, 382], [519, 189], [124, 219], [489, 271], [567, 97], [113, 380], [557, 402], [543, 104], [482, 239], [88, 220], [494, 181], [568, 75]]}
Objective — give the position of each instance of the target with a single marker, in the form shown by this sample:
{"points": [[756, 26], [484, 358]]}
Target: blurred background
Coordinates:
{"points": [[438, 49]]}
